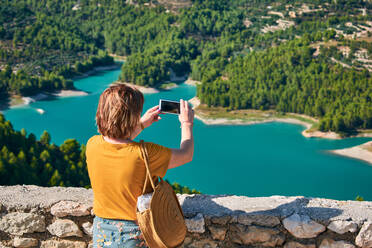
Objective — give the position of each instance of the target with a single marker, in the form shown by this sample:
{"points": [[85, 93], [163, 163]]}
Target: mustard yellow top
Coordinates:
{"points": [[117, 175]]}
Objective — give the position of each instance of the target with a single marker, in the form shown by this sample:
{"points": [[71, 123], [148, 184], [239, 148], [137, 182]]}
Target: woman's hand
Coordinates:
{"points": [[187, 113], [151, 116]]}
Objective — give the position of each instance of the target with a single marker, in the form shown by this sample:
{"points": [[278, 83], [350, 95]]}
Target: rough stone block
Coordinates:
{"points": [[254, 235], [261, 220], [88, 228], [20, 223], [221, 220], [218, 233], [330, 243], [65, 208], [203, 244], [293, 244], [196, 224], [301, 226], [62, 244], [25, 242], [187, 241], [343, 226], [64, 228], [364, 238]]}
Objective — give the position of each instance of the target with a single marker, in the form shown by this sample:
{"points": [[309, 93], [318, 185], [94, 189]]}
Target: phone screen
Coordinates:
{"points": [[169, 106]]}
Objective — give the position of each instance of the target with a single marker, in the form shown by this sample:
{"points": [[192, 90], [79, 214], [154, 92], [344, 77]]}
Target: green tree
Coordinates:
{"points": [[45, 138]]}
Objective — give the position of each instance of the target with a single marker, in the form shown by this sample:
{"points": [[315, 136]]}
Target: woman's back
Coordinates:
{"points": [[117, 175]]}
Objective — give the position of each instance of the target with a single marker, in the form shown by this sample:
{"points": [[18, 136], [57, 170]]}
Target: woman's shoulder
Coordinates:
{"points": [[152, 145], [155, 148], [94, 139]]}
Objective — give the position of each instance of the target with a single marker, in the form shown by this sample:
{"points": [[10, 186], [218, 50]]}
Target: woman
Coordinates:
{"points": [[116, 168]]}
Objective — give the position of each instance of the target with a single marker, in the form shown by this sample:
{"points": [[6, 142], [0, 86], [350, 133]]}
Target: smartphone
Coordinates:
{"points": [[171, 107]]}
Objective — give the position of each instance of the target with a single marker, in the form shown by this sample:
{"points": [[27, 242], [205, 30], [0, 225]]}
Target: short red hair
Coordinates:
{"points": [[119, 110]]}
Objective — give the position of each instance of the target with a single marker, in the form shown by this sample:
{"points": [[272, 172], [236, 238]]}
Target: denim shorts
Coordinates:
{"points": [[116, 234]]}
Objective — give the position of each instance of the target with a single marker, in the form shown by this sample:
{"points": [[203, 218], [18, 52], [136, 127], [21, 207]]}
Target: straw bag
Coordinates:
{"points": [[163, 224]]}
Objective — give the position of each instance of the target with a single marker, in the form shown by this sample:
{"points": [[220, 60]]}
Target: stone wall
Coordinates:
{"points": [[32, 216]]}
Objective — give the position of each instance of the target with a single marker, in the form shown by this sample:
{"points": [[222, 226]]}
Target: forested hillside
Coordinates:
{"points": [[42, 47], [311, 57], [289, 78], [26, 160]]}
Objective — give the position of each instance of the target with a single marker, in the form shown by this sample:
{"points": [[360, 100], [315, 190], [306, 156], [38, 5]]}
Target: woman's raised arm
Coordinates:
{"points": [[185, 153]]}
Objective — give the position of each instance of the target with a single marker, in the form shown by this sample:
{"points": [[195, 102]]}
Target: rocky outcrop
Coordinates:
{"points": [[32, 216]]}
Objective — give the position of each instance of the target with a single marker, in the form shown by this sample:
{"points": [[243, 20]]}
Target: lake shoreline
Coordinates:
{"points": [[195, 102], [167, 85], [69, 93], [19, 101], [97, 69], [143, 89], [361, 152], [192, 82], [357, 152], [308, 132]]}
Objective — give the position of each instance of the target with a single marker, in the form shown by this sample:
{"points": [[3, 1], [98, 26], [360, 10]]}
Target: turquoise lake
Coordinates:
{"points": [[254, 160]]}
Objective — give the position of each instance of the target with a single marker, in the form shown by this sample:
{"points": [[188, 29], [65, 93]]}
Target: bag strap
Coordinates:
{"points": [[146, 160]]}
